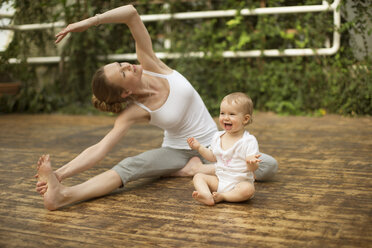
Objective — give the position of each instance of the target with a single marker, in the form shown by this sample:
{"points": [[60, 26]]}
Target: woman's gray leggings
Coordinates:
{"points": [[165, 160]]}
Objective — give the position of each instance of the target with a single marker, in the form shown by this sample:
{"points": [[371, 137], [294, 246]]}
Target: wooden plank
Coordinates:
{"points": [[321, 196]]}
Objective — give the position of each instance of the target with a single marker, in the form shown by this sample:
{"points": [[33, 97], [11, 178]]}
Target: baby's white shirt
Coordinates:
{"points": [[231, 163]]}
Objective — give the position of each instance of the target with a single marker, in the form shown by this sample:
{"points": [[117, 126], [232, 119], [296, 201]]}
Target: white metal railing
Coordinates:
{"points": [[6, 15], [325, 6]]}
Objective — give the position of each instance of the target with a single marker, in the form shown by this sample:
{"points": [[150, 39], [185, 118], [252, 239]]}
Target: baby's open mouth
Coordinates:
{"points": [[228, 126]]}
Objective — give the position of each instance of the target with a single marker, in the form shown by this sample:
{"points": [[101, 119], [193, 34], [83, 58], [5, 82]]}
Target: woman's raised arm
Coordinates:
{"points": [[128, 15], [119, 15]]}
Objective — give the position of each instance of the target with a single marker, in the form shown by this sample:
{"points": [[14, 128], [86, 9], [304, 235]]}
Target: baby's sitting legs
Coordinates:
{"points": [[204, 184], [243, 191]]}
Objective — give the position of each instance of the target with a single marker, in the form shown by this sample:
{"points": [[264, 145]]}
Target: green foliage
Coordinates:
{"points": [[289, 85]]}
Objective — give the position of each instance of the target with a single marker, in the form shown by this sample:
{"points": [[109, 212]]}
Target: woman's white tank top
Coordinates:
{"points": [[183, 114]]}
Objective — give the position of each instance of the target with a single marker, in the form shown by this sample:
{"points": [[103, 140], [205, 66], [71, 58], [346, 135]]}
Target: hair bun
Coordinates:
{"points": [[103, 106]]}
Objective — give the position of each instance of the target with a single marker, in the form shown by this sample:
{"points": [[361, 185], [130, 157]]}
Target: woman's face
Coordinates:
{"points": [[124, 75]]}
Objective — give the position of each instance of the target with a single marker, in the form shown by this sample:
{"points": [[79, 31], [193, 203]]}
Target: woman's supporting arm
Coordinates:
{"points": [[92, 155]]}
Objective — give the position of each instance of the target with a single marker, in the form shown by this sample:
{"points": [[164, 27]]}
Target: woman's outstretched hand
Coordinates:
{"points": [[41, 186], [73, 27]]}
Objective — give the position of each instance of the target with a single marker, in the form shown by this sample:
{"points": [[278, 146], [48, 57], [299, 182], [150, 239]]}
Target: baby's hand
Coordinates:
{"points": [[252, 162], [193, 143]]}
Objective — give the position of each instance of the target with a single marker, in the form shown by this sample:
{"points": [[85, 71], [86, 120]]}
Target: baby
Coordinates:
{"points": [[235, 152]]}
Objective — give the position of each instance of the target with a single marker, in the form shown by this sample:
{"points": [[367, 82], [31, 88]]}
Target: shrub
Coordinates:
{"points": [[338, 84]]}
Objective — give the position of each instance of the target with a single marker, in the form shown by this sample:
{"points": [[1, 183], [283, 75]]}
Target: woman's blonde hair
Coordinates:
{"points": [[244, 101], [106, 96]]}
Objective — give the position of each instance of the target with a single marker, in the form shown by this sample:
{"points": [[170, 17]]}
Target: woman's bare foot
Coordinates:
{"points": [[53, 197], [206, 199], [217, 197], [190, 169]]}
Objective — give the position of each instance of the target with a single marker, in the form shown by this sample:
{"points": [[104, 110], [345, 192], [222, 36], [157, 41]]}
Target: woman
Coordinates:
{"points": [[150, 92]]}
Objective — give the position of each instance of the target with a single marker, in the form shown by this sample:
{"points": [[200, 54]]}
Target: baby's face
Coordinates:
{"points": [[232, 119]]}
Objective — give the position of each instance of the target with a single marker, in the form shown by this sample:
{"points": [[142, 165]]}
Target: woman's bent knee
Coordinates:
{"points": [[267, 169]]}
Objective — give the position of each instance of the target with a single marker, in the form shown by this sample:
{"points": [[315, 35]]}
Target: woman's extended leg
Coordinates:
{"points": [[58, 195], [158, 162]]}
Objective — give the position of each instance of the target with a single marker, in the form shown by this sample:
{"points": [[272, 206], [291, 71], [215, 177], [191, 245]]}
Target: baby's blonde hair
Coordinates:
{"points": [[245, 103]]}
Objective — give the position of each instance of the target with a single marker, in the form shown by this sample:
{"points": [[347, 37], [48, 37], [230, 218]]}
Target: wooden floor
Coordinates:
{"points": [[321, 196]]}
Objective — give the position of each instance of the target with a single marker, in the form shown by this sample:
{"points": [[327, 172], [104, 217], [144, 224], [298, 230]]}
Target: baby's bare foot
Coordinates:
{"points": [[53, 197], [217, 197], [203, 198]]}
